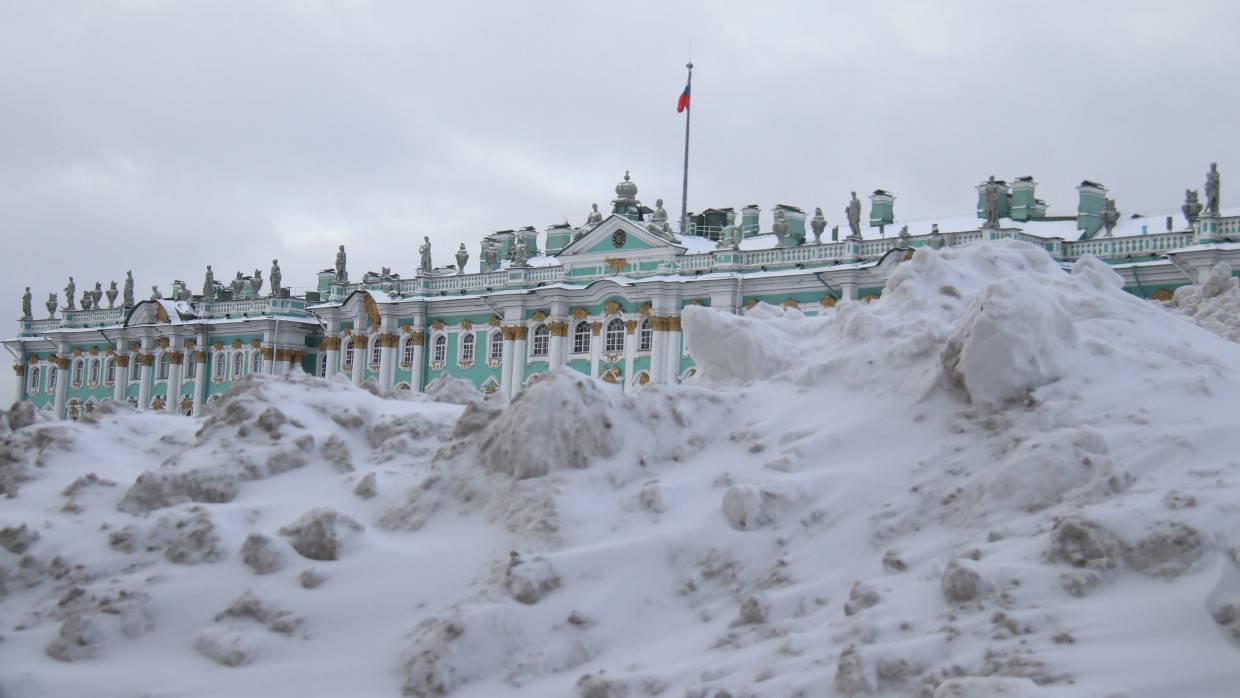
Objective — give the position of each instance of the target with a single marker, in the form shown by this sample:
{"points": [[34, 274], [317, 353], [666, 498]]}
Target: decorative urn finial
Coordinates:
{"points": [[626, 190]]}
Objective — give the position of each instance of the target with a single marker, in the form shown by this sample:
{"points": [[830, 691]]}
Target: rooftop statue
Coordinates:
{"points": [[730, 235], [853, 211], [424, 254], [70, 290], [780, 226], [594, 218], [1192, 207], [237, 285], [835, 233], [26, 313], [155, 294], [462, 258], [86, 300], [341, 275], [96, 296], [490, 254], [112, 294], [1212, 190], [936, 238], [208, 285], [256, 282], [990, 203], [818, 224], [520, 252], [127, 295], [276, 277], [1110, 216], [51, 305], [658, 221], [902, 241]]}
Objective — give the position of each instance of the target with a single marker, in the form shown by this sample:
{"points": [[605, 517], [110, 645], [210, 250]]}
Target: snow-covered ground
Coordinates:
{"points": [[997, 480]]}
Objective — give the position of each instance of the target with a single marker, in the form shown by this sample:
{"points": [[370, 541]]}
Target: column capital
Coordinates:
{"points": [[520, 332], [176, 358], [146, 359], [673, 323], [595, 328], [630, 326], [19, 369]]}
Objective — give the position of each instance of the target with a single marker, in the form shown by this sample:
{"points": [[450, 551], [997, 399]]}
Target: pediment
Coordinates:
{"points": [[619, 236]]}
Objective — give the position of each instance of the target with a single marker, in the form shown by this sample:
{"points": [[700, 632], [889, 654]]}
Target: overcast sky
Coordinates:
{"points": [[164, 136]]}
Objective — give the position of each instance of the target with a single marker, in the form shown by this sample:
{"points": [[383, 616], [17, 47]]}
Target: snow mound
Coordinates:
{"points": [[1213, 302]]}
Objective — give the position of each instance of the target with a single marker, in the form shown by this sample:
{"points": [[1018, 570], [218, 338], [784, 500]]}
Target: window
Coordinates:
{"points": [[406, 350], [191, 367], [164, 368], [256, 362], [581, 338], [645, 336], [221, 366], [346, 364], [36, 377], [94, 372], [496, 343], [109, 371], [135, 368], [467, 347], [542, 340], [79, 367], [321, 371], [238, 364], [52, 374], [376, 351], [615, 336], [440, 352]]}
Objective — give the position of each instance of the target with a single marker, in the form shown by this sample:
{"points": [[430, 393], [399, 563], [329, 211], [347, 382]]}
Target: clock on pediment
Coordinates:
{"points": [[618, 239]]}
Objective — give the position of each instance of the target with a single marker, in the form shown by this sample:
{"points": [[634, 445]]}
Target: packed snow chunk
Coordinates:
{"points": [[1213, 302], [1013, 338], [988, 687], [336, 452], [1083, 543], [1169, 550], [1096, 273], [748, 507], [961, 584], [734, 349], [17, 539], [563, 402], [154, 490], [454, 391], [186, 540], [260, 554], [597, 685], [528, 581], [754, 610], [21, 415], [852, 676], [366, 487], [78, 639], [860, 597], [250, 606], [320, 533], [225, 645]]}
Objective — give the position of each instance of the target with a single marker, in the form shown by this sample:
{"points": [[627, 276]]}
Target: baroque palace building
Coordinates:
{"points": [[604, 299]]}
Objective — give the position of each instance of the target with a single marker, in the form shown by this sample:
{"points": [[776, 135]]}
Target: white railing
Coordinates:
{"points": [[40, 326], [1133, 245], [93, 317], [247, 306], [537, 274]]}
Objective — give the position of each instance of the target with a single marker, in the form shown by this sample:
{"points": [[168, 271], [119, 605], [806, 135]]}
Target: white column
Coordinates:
{"points": [[121, 375], [557, 329], [657, 348], [673, 349], [418, 337], [387, 362], [176, 359], [144, 384], [596, 347], [22, 379], [846, 291], [520, 333], [630, 349], [200, 375], [331, 347], [359, 357], [505, 371], [268, 352], [63, 381]]}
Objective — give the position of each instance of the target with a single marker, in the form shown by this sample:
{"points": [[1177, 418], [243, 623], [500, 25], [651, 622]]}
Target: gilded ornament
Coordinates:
{"points": [[161, 342], [372, 309], [643, 378], [1162, 294], [161, 315], [359, 341], [509, 333], [255, 344], [791, 303], [94, 351], [494, 321], [828, 301], [673, 323], [236, 344], [437, 325], [417, 337], [467, 325], [19, 369], [557, 329], [33, 360], [77, 353], [389, 340], [645, 310], [122, 360], [268, 353], [579, 313], [218, 346], [146, 359], [611, 308], [595, 328], [176, 358], [630, 326], [617, 265], [521, 332], [538, 316], [870, 297], [199, 357]]}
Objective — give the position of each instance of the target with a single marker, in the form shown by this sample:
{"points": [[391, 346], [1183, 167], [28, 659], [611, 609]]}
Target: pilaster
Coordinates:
{"points": [[176, 359], [630, 349], [63, 380], [672, 370], [505, 372], [596, 347], [121, 360], [520, 333], [357, 345], [146, 362], [418, 338]]}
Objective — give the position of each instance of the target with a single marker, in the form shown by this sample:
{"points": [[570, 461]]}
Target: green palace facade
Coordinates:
{"points": [[603, 298]]}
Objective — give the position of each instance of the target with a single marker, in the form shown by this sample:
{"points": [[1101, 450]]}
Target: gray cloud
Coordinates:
{"points": [[165, 136]]}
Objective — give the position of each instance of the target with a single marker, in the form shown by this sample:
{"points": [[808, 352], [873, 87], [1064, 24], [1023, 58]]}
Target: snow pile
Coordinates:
{"points": [[1000, 479], [1213, 302]]}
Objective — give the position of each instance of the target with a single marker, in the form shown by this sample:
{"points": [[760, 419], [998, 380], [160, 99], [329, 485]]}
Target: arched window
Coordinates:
{"points": [[221, 366], [191, 366], [346, 362], [135, 368], [95, 370], [541, 342], [238, 364], [467, 347], [36, 378], [581, 338], [440, 352], [496, 346], [645, 336], [109, 371], [256, 361], [406, 350], [321, 371], [376, 351], [53, 374], [79, 367], [164, 368], [615, 336]]}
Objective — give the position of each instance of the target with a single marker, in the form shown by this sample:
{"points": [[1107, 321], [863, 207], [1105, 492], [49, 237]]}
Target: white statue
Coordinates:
{"points": [[424, 253], [658, 221], [594, 218]]}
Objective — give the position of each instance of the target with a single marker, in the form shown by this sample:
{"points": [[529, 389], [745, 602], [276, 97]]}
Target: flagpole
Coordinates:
{"points": [[684, 191]]}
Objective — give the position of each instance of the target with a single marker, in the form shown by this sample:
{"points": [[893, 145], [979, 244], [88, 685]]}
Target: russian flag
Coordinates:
{"points": [[683, 103]]}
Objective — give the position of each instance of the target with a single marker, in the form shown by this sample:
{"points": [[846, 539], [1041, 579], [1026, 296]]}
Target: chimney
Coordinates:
{"points": [[882, 208], [1089, 210], [749, 220], [1023, 203]]}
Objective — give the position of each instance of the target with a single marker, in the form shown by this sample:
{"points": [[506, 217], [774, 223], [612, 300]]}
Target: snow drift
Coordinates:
{"points": [[1000, 479]]}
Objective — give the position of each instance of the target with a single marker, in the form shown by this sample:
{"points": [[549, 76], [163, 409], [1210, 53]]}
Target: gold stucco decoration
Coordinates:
{"points": [[146, 359], [1162, 294], [267, 352], [122, 361], [417, 337], [372, 309], [467, 325], [611, 308], [161, 315], [643, 378], [869, 297], [199, 356], [645, 310], [791, 303], [494, 321], [579, 313], [617, 265], [557, 329], [236, 344], [176, 358], [437, 325], [673, 324], [828, 301], [595, 328], [630, 326], [538, 316]]}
